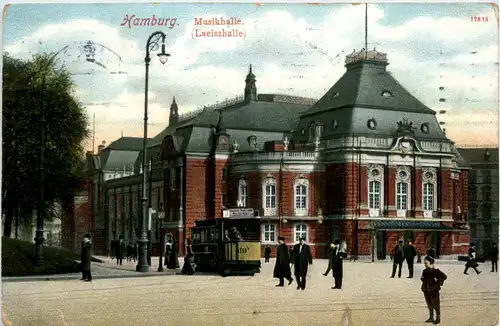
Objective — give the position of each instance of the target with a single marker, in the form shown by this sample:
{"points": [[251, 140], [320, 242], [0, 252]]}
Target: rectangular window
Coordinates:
{"points": [[270, 196], [428, 197], [269, 233], [300, 232], [301, 197], [374, 194], [402, 195], [242, 194]]}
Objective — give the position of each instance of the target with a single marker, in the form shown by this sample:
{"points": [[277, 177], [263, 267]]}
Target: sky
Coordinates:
{"points": [[438, 52]]}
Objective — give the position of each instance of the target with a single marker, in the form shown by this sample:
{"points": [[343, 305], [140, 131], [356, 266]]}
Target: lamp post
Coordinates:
{"points": [[152, 44], [89, 51], [161, 216]]}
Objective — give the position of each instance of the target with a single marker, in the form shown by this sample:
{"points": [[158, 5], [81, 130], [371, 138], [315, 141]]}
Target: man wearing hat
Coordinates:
{"points": [[86, 258], [282, 266], [398, 258], [301, 258], [337, 262]]}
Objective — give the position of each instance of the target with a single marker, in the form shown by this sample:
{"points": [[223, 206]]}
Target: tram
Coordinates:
{"points": [[217, 249]]}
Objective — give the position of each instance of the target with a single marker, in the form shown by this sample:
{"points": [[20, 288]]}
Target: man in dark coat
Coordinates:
{"points": [[301, 258], [282, 266], [337, 262], [121, 250], [431, 252], [398, 258], [410, 252], [494, 257], [267, 253], [86, 258]]}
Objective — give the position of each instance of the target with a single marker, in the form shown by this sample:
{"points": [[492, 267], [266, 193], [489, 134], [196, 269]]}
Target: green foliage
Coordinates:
{"points": [[27, 86], [17, 259]]}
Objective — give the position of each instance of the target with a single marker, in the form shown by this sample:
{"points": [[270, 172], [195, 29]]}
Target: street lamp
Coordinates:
{"points": [[152, 44], [161, 217]]}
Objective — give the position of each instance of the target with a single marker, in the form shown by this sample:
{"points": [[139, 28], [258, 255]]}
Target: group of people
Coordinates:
{"points": [[402, 253], [120, 249], [301, 257]]}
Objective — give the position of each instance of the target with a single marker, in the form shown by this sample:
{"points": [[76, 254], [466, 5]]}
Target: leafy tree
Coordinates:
{"points": [[27, 85]]}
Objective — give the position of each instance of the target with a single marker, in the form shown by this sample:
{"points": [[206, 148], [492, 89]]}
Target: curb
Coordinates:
{"points": [[75, 277]]}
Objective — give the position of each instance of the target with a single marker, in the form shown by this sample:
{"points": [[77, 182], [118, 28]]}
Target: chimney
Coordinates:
{"points": [[101, 147]]}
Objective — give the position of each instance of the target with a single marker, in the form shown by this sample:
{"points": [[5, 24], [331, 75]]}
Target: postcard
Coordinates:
{"points": [[250, 163]]}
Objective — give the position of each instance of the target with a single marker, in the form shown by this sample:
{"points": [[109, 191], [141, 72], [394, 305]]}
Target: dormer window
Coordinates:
{"points": [[311, 132], [387, 94], [318, 131]]}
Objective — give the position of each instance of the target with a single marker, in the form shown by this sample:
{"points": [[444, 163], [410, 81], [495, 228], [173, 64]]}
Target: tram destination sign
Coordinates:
{"points": [[238, 213]]}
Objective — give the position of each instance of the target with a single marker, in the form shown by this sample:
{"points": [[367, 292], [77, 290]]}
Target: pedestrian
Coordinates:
{"points": [[189, 266], [329, 255], [494, 257], [419, 256], [431, 252], [301, 258], [337, 262], [432, 280], [168, 253], [121, 250], [86, 258], [282, 265], [410, 252], [398, 258], [173, 262], [267, 253], [472, 263]]}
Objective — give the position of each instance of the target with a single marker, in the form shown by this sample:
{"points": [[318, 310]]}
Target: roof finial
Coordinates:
{"points": [[250, 69], [173, 101]]}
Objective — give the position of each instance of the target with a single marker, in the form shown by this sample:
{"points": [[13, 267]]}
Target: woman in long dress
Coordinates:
{"points": [[189, 265], [472, 263]]}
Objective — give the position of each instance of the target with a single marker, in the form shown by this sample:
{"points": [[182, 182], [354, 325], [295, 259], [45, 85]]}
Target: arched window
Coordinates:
{"points": [[311, 132], [301, 193], [472, 192], [242, 193], [486, 212], [402, 196], [374, 194], [428, 196], [473, 211], [269, 194], [486, 195]]}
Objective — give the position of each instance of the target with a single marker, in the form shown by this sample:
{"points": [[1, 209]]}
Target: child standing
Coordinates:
{"points": [[432, 280]]}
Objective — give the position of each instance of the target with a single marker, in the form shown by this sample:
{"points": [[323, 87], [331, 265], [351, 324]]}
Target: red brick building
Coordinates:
{"points": [[367, 163]]}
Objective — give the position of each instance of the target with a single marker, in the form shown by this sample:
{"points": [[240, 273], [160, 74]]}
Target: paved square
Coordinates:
{"points": [[368, 293]]}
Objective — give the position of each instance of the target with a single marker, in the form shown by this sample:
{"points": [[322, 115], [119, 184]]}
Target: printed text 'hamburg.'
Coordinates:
{"points": [[133, 21]]}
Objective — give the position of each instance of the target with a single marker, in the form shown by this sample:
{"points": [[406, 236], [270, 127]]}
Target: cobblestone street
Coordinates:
{"points": [[369, 297]]}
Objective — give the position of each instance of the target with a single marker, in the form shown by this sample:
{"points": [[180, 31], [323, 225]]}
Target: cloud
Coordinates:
{"points": [[290, 54]]}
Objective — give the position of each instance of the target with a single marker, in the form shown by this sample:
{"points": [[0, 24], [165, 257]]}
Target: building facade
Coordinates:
{"points": [[483, 195], [367, 163]]}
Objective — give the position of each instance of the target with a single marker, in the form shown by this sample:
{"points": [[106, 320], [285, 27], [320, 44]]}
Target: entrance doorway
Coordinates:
{"points": [[381, 245], [408, 236], [434, 241]]}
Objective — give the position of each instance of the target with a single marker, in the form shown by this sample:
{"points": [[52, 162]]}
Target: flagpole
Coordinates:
{"points": [[366, 30]]}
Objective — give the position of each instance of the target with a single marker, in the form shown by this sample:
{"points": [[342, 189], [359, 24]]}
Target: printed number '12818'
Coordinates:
{"points": [[477, 19]]}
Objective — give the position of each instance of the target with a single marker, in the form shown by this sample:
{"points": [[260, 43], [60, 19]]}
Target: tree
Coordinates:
{"points": [[25, 84]]}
